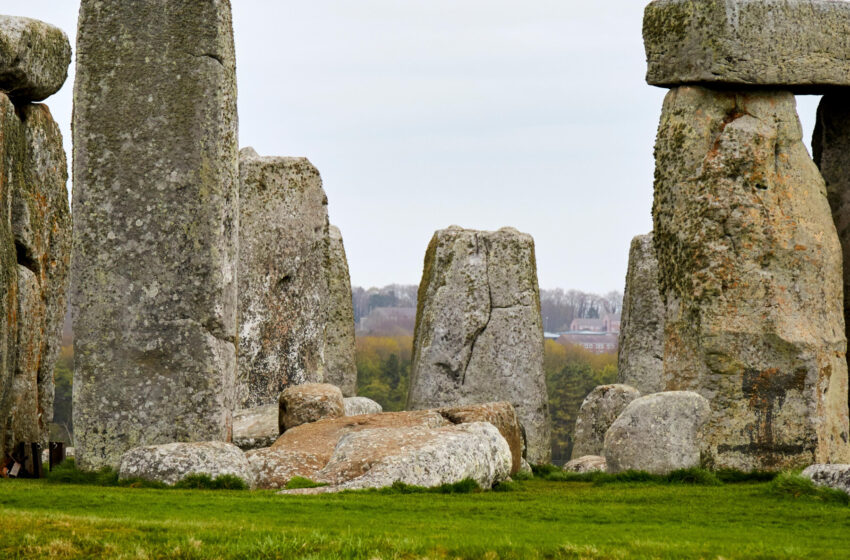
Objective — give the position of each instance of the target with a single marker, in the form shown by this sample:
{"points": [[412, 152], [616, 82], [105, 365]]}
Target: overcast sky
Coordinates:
{"points": [[420, 114]]}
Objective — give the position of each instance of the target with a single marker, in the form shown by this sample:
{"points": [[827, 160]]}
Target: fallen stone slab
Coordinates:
{"points": [[834, 475], [795, 45], [302, 404], [274, 467], [586, 464], [421, 457], [355, 406], [172, 462], [598, 411], [502, 415], [658, 433], [254, 428], [34, 58]]}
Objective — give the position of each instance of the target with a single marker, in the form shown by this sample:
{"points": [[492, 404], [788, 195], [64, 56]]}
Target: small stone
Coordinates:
{"points": [[172, 462], [640, 359], [34, 58], [340, 367], [834, 476], [479, 333], [310, 402], [500, 414], [257, 427], [586, 464], [795, 45], [525, 468], [598, 411], [361, 405], [658, 433]]}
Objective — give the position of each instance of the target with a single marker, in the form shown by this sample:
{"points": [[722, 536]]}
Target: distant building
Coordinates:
{"points": [[609, 323], [388, 321], [599, 336]]}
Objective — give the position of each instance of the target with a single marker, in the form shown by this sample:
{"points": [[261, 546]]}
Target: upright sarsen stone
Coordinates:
{"points": [[750, 271], [340, 367], [283, 287], [640, 360], [479, 334], [155, 226]]}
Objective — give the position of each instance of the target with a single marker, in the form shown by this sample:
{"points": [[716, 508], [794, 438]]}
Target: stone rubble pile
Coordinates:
{"points": [[35, 237]]}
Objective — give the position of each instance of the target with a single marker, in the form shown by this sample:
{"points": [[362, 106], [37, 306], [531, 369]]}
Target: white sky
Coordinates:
{"points": [[420, 114]]}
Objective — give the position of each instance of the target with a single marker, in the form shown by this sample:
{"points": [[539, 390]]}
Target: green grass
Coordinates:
{"points": [[537, 519]]}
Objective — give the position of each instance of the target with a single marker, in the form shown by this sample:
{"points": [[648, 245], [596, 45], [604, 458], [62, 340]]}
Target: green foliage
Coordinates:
{"points": [[694, 476], [522, 475], [792, 485], [297, 482], [733, 476], [507, 486], [68, 473], [465, 486], [383, 369], [571, 373], [203, 481]]}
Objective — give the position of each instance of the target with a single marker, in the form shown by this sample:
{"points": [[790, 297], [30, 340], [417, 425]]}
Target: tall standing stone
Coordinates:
{"points": [[640, 360], [155, 226], [750, 271], [340, 367], [283, 288], [479, 333]]}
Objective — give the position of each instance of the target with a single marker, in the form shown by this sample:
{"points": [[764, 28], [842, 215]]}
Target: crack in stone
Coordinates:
{"points": [[480, 331]]}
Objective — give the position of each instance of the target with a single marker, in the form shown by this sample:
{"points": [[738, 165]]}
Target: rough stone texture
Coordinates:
{"points": [[835, 476], [284, 251], [640, 360], [155, 226], [306, 449], [502, 415], [831, 153], [258, 427], [798, 45], [340, 368], [310, 402], [586, 464], [658, 433], [598, 411], [479, 334], [35, 244], [423, 457], [750, 269], [172, 462], [34, 58], [525, 468], [361, 405]]}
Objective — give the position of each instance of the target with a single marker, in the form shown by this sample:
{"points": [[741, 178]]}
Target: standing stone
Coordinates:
{"points": [[283, 289], [34, 262], [598, 411], [479, 334], [800, 45], [340, 367], [640, 360], [155, 226], [34, 58], [831, 152], [750, 270]]}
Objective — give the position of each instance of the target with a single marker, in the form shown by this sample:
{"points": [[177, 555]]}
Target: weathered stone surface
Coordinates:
{"points": [[479, 334], [423, 457], [155, 226], [750, 270], [640, 359], [172, 462], [831, 153], [340, 368], [306, 449], [598, 411], [35, 242], [586, 464], [283, 290], [257, 427], [525, 468], [501, 414], [361, 405], [658, 433], [34, 58], [798, 45], [835, 476], [310, 402]]}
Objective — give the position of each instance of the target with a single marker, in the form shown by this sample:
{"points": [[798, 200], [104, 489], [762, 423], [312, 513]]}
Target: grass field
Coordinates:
{"points": [[539, 520]]}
